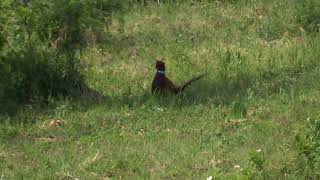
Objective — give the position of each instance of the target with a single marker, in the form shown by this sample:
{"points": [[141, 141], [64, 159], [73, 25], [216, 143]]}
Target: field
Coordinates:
{"points": [[255, 115]]}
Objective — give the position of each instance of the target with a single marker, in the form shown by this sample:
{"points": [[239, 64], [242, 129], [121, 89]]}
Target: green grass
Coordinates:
{"points": [[239, 122]]}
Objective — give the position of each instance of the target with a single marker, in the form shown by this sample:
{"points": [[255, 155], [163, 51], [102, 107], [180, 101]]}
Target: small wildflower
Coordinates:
{"points": [[237, 166], [158, 108], [258, 150]]}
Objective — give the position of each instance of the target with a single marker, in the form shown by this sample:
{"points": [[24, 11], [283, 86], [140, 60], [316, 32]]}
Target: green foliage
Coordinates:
{"points": [[239, 109], [257, 160], [308, 145], [146, 2], [256, 166], [271, 28], [308, 15], [43, 41], [232, 65], [4, 69], [4, 77], [9, 132]]}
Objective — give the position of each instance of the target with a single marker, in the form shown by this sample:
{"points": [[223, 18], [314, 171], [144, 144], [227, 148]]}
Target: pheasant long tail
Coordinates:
{"points": [[187, 83]]}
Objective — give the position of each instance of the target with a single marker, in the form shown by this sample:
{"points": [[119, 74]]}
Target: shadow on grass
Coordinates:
{"points": [[216, 91], [226, 91]]}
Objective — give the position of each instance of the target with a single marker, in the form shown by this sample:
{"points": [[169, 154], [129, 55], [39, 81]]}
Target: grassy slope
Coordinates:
{"points": [[262, 86]]}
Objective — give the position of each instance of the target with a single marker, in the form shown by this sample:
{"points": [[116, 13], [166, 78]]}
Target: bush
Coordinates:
{"points": [[43, 42]]}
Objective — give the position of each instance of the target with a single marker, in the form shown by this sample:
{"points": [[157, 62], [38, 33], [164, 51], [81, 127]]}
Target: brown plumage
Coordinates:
{"points": [[162, 84]]}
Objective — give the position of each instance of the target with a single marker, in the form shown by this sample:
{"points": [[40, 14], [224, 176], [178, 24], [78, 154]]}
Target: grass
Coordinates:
{"points": [[239, 122]]}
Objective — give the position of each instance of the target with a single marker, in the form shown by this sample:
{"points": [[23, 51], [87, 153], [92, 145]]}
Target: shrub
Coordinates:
{"points": [[43, 42]]}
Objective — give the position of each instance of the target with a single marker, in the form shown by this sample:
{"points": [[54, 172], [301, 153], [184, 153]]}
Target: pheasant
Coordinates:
{"points": [[161, 83]]}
